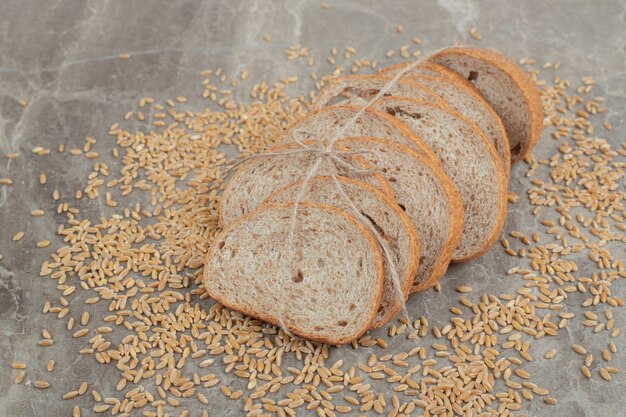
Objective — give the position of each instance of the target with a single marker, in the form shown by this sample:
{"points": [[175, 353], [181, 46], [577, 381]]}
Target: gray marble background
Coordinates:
{"points": [[61, 57]]}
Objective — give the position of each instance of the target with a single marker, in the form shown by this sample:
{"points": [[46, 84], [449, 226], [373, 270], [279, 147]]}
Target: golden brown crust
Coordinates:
{"points": [[331, 89], [393, 68], [265, 317], [407, 282], [454, 202], [502, 179], [424, 64], [433, 67], [502, 186], [456, 228], [383, 184], [523, 82], [469, 87], [529, 89], [453, 77]]}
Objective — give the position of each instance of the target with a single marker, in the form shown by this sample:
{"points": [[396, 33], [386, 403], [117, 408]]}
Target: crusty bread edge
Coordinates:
{"points": [[407, 282], [520, 79], [456, 78], [454, 201], [399, 65], [394, 67], [345, 80], [384, 185], [262, 316], [502, 178]]}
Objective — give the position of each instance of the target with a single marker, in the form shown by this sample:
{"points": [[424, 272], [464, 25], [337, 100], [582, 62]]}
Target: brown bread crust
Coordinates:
{"points": [[501, 177], [381, 182], [523, 82], [456, 212], [407, 282], [453, 77], [267, 318]]}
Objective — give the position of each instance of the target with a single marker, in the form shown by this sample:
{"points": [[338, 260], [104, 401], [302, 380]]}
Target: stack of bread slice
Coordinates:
{"points": [[405, 171]]}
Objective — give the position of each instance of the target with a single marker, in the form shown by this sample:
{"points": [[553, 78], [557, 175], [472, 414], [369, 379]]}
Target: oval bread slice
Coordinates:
{"points": [[471, 162], [258, 177], [462, 96], [378, 212], [325, 122], [326, 289], [427, 196], [506, 87], [359, 89]]}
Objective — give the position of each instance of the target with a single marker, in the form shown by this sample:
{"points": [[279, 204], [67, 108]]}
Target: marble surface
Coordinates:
{"points": [[61, 57]]}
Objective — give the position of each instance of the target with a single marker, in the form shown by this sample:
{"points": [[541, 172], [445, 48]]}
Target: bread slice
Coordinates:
{"points": [[326, 122], [425, 68], [384, 217], [359, 89], [471, 162], [258, 177], [506, 87], [427, 196], [326, 289], [462, 96]]}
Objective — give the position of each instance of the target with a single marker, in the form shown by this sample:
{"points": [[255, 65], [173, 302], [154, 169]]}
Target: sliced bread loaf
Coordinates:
{"points": [[462, 96], [258, 177], [471, 162], [359, 89], [506, 87], [327, 288], [328, 121], [427, 196], [378, 212]]}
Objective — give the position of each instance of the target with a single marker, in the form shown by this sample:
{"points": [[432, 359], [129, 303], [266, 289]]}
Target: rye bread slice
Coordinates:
{"points": [[506, 87], [258, 177], [428, 197], [378, 212], [462, 96], [471, 162], [359, 89], [326, 122], [326, 289]]}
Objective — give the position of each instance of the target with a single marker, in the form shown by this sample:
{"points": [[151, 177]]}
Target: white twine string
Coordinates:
{"points": [[335, 156]]}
